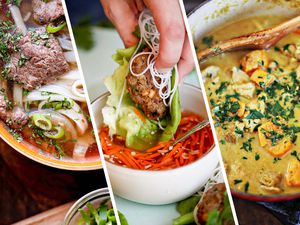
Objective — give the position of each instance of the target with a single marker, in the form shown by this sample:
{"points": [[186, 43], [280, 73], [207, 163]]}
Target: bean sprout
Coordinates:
{"points": [[161, 80]]}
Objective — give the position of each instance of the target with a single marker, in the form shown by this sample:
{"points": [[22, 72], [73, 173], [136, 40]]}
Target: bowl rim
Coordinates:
{"points": [[211, 150], [26, 150], [244, 195], [81, 202]]}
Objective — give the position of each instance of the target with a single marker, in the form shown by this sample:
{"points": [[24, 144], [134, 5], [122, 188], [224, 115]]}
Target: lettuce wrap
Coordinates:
{"points": [[125, 119]]}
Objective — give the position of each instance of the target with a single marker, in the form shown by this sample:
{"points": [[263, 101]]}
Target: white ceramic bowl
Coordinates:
{"points": [[166, 186], [211, 14]]}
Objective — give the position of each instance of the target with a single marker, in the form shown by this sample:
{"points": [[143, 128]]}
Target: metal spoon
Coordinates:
{"points": [[259, 40], [199, 126]]}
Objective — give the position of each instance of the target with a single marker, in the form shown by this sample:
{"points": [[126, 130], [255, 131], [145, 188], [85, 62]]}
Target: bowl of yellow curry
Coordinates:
{"points": [[254, 97]]}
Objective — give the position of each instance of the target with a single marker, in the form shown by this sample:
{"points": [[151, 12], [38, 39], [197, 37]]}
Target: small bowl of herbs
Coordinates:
{"points": [[95, 208]]}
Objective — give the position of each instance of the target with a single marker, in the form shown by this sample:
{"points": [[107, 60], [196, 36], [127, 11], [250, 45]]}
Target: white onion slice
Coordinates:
{"points": [[71, 75], [78, 118], [75, 113], [65, 43], [27, 16], [82, 146], [16, 15], [70, 56], [18, 95], [77, 88], [55, 88]]}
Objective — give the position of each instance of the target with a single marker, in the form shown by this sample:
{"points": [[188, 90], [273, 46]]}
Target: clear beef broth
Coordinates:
{"points": [[252, 170], [57, 114]]}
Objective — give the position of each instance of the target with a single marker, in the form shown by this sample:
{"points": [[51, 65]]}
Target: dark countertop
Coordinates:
{"points": [[28, 188]]}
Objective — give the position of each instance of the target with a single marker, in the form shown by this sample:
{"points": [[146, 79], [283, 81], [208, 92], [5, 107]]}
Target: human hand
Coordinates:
{"points": [[174, 44]]}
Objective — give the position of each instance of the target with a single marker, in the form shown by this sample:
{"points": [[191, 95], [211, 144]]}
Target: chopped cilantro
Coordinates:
{"points": [[295, 154], [257, 156], [237, 181], [223, 142], [247, 145], [254, 114], [247, 186], [208, 40]]}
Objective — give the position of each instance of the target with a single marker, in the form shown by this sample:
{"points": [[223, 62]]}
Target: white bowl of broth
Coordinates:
{"points": [[56, 130], [218, 21], [157, 187]]}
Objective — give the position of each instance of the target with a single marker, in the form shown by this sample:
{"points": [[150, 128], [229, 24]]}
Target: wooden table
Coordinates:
{"points": [[28, 188], [252, 213]]}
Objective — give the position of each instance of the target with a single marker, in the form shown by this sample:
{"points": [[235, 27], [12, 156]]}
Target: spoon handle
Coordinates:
{"points": [[258, 40], [199, 126]]}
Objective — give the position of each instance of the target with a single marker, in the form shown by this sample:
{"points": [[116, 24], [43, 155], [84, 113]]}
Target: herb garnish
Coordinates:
{"points": [[295, 154], [237, 182], [247, 145], [208, 41]]}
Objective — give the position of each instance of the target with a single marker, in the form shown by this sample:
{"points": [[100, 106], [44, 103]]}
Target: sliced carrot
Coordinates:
{"points": [[161, 156], [297, 31], [139, 114]]}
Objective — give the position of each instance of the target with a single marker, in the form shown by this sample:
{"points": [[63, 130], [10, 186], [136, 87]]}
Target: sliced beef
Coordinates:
{"points": [[143, 92], [39, 60], [14, 117], [212, 199], [47, 11]]}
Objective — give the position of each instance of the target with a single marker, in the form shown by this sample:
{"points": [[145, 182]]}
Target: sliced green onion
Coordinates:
{"points": [[111, 215], [122, 218], [102, 214], [55, 133], [42, 122], [53, 29]]}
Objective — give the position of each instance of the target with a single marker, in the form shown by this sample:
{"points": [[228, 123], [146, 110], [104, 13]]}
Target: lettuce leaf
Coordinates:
{"points": [[139, 133], [175, 114]]}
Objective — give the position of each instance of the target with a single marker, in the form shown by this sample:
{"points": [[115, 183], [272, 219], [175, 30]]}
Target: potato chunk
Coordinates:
{"points": [[239, 76], [246, 90], [293, 173], [262, 78], [282, 146], [268, 126], [255, 60]]}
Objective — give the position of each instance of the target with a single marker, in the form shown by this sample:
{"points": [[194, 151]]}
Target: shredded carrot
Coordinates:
{"points": [[297, 31], [139, 114], [162, 156]]}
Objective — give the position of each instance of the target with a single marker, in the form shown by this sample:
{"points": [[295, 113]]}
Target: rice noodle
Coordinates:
{"points": [[57, 118], [70, 56], [161, 80], [16, 15], [75, 113], [215, 178]]}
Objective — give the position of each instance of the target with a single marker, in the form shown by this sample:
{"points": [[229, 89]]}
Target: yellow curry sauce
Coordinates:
{"points": [[254, 98]]}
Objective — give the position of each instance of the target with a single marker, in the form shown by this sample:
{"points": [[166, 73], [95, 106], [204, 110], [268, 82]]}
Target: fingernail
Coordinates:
{"points": [[164, 70]]}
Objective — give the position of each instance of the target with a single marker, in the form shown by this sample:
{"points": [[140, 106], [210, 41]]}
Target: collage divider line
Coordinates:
{"points": [[93, 121], [197, 67]]}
